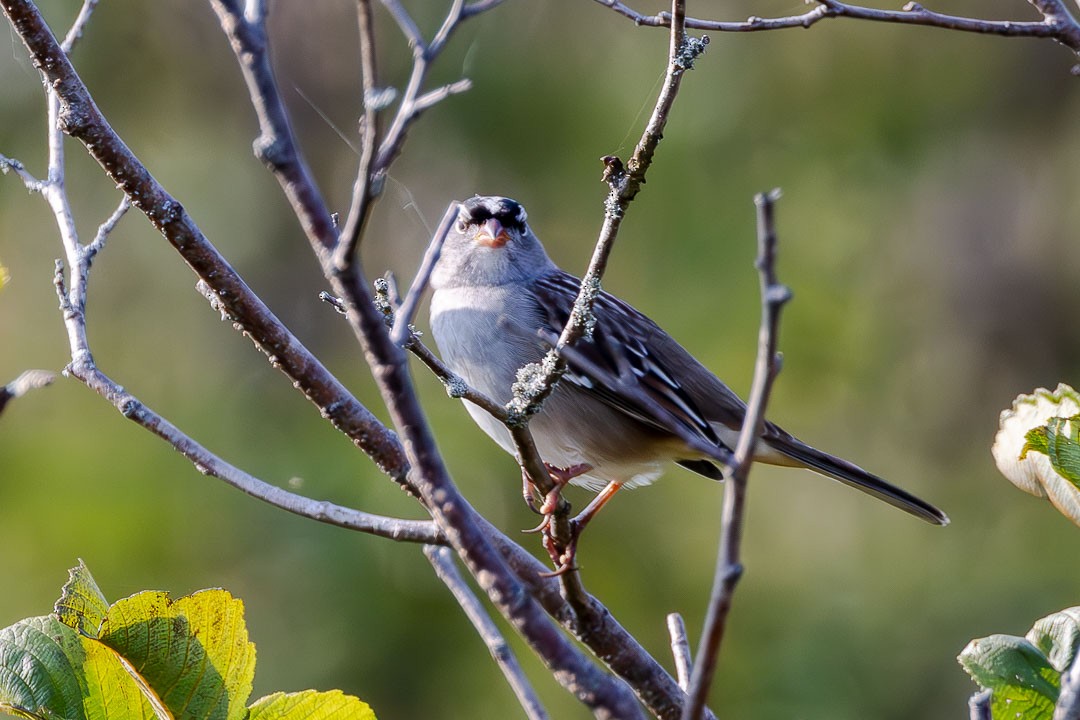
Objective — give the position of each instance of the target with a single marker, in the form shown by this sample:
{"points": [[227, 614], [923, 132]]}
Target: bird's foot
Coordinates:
{"points": [[561, 477], [563, 553], [563, 549], [559, 538], [561, 543]]}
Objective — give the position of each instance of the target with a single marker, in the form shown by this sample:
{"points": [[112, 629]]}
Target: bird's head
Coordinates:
{"points": [[490, 244]]}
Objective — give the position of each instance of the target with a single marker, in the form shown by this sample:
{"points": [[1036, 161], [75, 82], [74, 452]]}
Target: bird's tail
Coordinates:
{"points": [[853, 475]]}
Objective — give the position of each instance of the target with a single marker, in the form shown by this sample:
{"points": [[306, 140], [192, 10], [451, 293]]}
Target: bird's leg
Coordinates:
{"points": [[562, 553], [582, 518]]}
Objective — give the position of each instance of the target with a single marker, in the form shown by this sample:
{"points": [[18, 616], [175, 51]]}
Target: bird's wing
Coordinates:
{"points": [[630, 363]]}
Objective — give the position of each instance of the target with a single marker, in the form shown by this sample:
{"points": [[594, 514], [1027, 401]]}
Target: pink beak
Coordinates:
{"points": [[492, 234]]}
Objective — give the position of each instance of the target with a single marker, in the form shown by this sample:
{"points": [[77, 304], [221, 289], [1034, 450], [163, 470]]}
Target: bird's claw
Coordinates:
{"points": [[542, 527], [561, 477], [563, 556], [561, 551]]}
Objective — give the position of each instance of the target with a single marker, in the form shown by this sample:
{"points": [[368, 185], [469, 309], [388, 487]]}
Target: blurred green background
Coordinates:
{"points": [[928, 229]]}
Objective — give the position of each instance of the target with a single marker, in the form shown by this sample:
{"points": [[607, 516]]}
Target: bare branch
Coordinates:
{"points": [[276, 146], [1057, 22], [77, 27], [363, 193], [14, 166], [624, 184], [477, 7], [401, 330], [439, 94], [443, 561], [419, 531], [728, 560], [680, 649], [407, 25], [455, 385], [106, 228], [371, 176]]}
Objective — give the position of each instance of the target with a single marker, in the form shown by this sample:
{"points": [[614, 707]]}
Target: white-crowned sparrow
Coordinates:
{"points": [[632, 398]]}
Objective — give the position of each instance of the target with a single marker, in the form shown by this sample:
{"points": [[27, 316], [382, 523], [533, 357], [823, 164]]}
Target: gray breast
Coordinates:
{"points": [[485, 335]]}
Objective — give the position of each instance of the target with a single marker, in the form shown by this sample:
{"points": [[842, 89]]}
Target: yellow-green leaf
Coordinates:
{"points": [[82, 605], [113, 691], [194, 652], [311, 705]]}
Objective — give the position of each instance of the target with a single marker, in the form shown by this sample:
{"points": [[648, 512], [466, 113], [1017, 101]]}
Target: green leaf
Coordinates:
{"points": [[194, 652], [50, 672], [1059, 440], [82, 605], [39, 676], [311, 705], [4, 276], [1023, 681]]}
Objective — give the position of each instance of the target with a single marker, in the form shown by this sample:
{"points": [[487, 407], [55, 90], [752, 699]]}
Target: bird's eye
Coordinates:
{"points": [[462, 226]]}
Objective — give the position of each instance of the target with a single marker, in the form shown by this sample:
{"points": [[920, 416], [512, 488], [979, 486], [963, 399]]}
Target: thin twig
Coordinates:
{"points": [[363, 193], [455, 385], [401, 529], [371, 174], [275, 145], [402, 328], [624, 183], [77, 27], [728, 561], [680, 649], [1057, 23], [443, 561], [12, 165], [106, 228]]}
